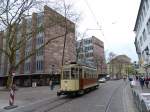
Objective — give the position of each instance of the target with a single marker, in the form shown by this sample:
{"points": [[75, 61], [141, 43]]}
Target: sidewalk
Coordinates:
{"points": [[141, 97], [131, 107], [27, 96], [139, 89]]}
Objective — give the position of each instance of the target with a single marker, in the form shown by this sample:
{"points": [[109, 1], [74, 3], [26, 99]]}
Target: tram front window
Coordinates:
{"points": [[74, 73], [66, 74]]}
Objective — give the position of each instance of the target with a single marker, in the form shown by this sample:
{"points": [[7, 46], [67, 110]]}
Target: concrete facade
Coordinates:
{"points": [[142, 31]]}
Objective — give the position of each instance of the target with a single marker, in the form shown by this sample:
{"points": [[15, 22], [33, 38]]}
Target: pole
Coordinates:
{"points": [[11, 95]]}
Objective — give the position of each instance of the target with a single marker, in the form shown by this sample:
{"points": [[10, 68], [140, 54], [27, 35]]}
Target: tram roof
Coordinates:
{"points": [[77, 64]]}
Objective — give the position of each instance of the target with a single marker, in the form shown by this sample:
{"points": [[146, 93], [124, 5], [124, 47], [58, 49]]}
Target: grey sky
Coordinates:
{"points": [[117, 19]]}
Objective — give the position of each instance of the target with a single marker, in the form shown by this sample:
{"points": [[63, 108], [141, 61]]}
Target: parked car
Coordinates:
{"points": [[102, 80], [108, 77]]}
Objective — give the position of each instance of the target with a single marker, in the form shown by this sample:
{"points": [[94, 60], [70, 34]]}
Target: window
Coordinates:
{"points": [[27, 66], [40, 52], [39, 65], [148, 26], [147, 4], [66, 74], [39, 38], [80, 72], [141, 41], [144, 35], [87, 41], [144, 11], [142, 17], [74, 73]]}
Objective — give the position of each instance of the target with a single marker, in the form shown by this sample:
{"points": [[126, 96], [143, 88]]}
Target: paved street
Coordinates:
{"points": [[27, 96], [112, 96]]}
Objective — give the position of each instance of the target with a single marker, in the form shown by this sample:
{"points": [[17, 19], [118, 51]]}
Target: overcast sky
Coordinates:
{"points": [[117, 20]]}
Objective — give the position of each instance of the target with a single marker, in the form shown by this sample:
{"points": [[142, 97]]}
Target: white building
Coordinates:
{"points": [[142, 31]]}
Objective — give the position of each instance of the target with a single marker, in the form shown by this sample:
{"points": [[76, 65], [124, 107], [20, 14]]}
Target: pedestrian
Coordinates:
{"points": [[124, 78], [147, 81], [136, 77], [141, 82], [51, 84]]}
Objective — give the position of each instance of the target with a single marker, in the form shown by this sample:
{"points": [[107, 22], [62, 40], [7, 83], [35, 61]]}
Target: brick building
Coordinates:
{"points": [[91, 51], [47, 60]]}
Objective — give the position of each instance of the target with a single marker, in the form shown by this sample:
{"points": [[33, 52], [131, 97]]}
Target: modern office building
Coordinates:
{"points": [[142, 31], [48, 60], [91, 51]]}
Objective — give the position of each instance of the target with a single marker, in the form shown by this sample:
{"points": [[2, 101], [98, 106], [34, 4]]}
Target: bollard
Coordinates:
{"points": [[11, 97]]}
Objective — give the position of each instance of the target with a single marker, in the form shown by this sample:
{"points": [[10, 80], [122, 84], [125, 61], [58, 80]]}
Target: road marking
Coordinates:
{"points": [[100, 105], [124, 98]]}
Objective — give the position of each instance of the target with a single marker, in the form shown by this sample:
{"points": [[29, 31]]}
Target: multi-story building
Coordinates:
{"points": [[142, 31], [47, 60], [91, 51]]}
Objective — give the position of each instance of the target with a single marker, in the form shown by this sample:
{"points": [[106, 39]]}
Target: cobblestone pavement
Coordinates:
{"points": [[34, 97], [112, 96], [27, 96]]}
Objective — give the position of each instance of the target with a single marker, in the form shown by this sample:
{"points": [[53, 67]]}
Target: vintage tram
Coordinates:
{"points": [[77, 79]]}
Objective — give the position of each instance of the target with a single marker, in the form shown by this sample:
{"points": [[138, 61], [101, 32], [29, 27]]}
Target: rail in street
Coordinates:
{"points": [[110, 97]]}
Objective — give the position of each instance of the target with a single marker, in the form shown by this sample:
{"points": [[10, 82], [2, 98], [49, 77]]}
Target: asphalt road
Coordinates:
{"points": [[111, 96]]}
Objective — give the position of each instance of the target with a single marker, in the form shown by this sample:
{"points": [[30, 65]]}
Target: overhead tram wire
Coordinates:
{"points": [[100, 27]]}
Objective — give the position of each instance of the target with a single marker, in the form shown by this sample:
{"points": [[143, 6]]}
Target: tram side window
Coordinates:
{"points": [[74, 73], [80, 72], [86, 74], [66, 75]]}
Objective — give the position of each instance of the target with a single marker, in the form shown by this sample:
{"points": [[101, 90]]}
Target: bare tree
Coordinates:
{"points": [[111, 63], [111, 55], [12, 16]]}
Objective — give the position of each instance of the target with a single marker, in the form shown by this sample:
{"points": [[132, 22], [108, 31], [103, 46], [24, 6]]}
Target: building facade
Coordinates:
{"points": [[91, 51], [119, 66], [142, 31], [47, 60]]}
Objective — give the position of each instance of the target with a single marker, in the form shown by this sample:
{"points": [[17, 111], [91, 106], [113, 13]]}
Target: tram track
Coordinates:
{"points": [[107, 109], [55, 103], [44, 105]]}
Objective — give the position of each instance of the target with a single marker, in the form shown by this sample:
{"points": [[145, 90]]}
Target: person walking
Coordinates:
{"points": [[147, 81], [51, 84], [124, 78], [141, 82]]}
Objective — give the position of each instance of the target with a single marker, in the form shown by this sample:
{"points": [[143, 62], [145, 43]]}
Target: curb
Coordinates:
{"points": [[140, 102]]}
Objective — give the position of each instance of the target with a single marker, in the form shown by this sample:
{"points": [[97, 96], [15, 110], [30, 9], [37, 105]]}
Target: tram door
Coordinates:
{"points": [[75, 77]]}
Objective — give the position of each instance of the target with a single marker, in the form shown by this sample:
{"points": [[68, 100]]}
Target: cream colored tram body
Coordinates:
{"points": [[76, 79]]}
